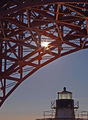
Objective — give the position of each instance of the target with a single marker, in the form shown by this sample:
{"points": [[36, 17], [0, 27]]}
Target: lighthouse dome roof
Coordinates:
{"points": [[64, 91]]}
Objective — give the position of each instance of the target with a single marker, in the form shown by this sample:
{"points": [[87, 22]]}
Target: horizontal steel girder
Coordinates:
{"points": [[26, 24]]}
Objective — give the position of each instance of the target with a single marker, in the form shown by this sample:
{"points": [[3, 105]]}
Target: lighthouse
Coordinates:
{"points": [[65, 108], [64, 105]]}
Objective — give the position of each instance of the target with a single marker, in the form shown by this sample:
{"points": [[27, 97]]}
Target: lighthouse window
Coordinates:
{"points": [[65, 96]]}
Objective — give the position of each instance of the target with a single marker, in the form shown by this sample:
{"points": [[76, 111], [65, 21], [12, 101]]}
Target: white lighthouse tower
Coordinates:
{"points": [[65, 105]]}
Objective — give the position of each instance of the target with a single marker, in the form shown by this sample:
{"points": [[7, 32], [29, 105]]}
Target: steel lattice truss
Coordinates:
{"points": [[25, 24]]}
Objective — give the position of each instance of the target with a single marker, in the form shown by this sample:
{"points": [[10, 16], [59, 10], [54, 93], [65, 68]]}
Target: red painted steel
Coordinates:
{"points": [[25, 24]]}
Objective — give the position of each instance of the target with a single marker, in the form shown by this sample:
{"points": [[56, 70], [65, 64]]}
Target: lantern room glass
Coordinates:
{"points": [[65, 96]]}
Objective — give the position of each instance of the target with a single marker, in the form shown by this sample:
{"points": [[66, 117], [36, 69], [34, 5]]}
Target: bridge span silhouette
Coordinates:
{"points": [[34, 33]]}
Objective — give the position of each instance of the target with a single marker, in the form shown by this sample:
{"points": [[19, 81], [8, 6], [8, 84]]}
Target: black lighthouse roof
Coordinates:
{"points": [[64, 91]]}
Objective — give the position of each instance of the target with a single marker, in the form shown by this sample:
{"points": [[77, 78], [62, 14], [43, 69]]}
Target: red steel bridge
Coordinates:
{"points": [[26, 24]]}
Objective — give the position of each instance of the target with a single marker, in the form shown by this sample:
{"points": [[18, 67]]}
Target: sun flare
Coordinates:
{"points": [[44, 44]]}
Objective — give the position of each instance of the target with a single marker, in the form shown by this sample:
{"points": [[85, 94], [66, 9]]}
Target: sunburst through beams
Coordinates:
{"points": [[44, 44]]}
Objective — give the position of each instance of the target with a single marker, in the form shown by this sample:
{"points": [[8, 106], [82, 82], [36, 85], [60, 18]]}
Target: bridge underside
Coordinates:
{"points": [[26, 24]]}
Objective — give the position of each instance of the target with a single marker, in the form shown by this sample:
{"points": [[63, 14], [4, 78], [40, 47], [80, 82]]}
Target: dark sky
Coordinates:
{"points": [[35, 94]]}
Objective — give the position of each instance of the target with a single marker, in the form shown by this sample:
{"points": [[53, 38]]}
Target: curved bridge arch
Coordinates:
{"points": [[26, 24]]}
